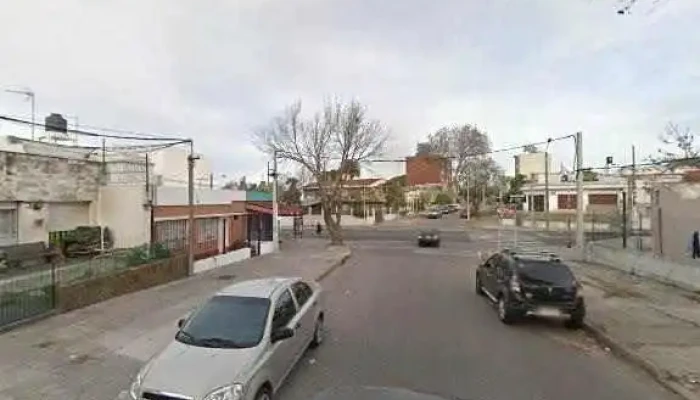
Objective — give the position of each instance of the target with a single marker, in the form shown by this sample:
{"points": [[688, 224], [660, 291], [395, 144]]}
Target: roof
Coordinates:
{"points": [[263, 288], [266, 208], [254, 195]]}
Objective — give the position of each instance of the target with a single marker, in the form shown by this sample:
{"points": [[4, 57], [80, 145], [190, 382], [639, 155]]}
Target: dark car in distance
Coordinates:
{"points": [[429, 238], [433, 214], [523, 283]]}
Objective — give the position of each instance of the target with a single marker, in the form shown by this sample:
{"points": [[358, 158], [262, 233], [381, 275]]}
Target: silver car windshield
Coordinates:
{"points": [[226, 322]]}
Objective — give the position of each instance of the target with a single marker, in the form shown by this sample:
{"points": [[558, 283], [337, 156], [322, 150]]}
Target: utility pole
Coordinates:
{"points": [[546, 188], [191, 158], [275, 204], [580, 238], [469, 204]]}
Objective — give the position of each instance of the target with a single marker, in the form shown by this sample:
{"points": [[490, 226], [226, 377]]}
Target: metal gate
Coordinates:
{"points": [[27, 290]]}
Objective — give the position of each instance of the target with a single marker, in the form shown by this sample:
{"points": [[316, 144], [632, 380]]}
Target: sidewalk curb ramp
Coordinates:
{"points": [[626, 353], [334, 266]]}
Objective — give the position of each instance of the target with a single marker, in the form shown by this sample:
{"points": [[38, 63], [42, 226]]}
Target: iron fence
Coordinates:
{"points": [[26, 292]]}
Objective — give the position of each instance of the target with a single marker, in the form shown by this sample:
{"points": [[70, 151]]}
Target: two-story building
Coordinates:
{"points": [[361, 198]]}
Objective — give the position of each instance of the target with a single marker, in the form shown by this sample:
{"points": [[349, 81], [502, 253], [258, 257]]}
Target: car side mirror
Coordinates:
{"points": [[281, 334], [181, 323]]}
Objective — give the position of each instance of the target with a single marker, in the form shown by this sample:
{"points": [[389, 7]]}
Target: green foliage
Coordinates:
{"points": [[515, 185], [394, 192], [590, 176], [442, 199], [144, 254]]}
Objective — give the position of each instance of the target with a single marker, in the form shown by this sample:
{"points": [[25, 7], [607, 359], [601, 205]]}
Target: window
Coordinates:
{"points": [[302, 292], [547, 272], [502, 269], [171, 234], [566, 201], [227, 321], [602, 199], [207, 233], [284, 311]]}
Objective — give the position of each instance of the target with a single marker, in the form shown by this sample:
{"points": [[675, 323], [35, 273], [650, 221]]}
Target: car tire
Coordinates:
{"points": [[263, 394], [318, 333], [577, 317], [505, 312], [479, 288]]}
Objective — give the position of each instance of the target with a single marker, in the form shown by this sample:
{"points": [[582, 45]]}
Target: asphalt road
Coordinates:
{"points": [[408, 317]]}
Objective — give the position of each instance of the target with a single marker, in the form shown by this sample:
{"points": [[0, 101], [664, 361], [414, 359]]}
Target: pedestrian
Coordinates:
{"points": [[319, 228], [695, 245]]}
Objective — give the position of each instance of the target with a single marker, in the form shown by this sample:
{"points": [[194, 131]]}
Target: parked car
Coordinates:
{"points": [[240, 344], [429, 238], [433, 214], [524, 283]]}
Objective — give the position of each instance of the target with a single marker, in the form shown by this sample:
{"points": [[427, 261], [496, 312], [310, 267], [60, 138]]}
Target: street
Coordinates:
{"points": [[409, 317]]}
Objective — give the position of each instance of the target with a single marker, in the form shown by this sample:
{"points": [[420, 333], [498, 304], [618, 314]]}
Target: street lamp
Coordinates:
{"points": [[30, 95]]}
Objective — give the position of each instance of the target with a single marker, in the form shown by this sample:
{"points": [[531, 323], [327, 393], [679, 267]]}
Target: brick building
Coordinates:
{"points": [[427, 170]]}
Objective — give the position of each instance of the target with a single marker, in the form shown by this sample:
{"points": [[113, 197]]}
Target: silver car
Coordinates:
{"points": [[240, 345]]}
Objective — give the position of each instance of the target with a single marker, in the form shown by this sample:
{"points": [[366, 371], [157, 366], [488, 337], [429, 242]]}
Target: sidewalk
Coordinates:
{"points": [[652, 325], [93, 353]]}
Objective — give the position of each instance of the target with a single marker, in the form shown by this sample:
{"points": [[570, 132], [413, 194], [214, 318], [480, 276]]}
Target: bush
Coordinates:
{"points": [[143, 254]]}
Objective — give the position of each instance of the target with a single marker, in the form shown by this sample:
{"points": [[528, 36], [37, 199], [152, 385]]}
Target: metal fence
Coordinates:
{"points": [[27, 293]]}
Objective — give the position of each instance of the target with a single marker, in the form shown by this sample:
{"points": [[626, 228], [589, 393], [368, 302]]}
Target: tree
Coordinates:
{"points": [[686, 152], [242, 185], [230, 185], [515, 185], [589, 175], [469, 148], [394, 192], [442, 198], [291, 193], [340, 135], [530, 148]]}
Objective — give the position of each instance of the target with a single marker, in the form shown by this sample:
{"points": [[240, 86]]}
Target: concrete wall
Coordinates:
{"points": [[531, 163], [122, 211], [221, 260], [674, 218], [178, 196], [29, 177], [686, 276], [266, 248]]}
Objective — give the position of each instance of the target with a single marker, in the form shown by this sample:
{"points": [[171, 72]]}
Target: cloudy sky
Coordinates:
{"points": [[522, 70]]}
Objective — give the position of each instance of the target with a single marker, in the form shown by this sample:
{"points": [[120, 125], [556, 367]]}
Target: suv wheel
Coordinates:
{"points": [[505, 312], [577, 316], [479, 288]]}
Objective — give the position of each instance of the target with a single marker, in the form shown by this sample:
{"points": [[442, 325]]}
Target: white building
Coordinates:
{"points": [[170, 168]]}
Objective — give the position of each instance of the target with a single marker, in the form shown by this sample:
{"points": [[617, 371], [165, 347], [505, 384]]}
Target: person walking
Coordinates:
{"points": [[319, 229], [695, 245]]}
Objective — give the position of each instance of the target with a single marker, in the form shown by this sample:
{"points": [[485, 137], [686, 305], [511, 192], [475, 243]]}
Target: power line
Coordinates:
{"points": [[650, 164], [485, 153], [95, 134]]}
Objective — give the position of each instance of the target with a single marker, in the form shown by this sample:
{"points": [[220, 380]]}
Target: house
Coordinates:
{"points": [[675, 216], [428, 171], [361, 198]]}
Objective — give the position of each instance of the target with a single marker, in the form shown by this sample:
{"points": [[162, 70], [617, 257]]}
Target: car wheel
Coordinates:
{"points": [[318, 333], [263, 394], [505, 312], [576, 318], [479, 288]]}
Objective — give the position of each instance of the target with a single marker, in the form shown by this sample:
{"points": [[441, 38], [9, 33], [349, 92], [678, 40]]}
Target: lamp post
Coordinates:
{"points": [[30, 95]]}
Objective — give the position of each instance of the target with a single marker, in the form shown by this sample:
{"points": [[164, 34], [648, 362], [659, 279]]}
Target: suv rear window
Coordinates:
{"points": [[545, 272]]}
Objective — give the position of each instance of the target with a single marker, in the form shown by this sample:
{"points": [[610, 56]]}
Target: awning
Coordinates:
{"points": [[284, 211]]}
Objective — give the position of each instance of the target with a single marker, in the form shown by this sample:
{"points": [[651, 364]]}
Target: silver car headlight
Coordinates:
{"points": [[230, 392], [135, 389]]}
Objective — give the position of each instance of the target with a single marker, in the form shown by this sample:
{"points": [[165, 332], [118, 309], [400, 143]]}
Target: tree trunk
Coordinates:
{"points": [[332, 224]]}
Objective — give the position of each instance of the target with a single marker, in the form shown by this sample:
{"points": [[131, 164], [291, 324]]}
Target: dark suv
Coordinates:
{"points": [[531, 283]]}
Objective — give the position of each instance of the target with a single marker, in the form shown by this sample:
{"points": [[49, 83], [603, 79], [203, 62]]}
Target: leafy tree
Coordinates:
{"points": [[230, 185], [442, 198], [394, 192], [589, 175], [515, 185], [341, 133], [291, 193], [530, 148]]}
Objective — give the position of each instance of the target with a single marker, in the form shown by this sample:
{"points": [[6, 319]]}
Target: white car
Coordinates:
{"points": [[240, 345]]}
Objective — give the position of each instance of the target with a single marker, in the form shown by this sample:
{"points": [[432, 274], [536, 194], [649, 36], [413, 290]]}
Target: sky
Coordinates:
{"points": [[216, 70]]}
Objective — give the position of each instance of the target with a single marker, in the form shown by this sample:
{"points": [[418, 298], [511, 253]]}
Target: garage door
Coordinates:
{"points": [[67, 216]]}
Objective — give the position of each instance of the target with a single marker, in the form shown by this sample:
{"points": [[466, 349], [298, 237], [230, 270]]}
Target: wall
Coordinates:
{"points": [[122, 211], [531, 163], [26, 177], [221, 260], [32, 223], [422, 170], [674, 219], [171, 166], [174, 196]]}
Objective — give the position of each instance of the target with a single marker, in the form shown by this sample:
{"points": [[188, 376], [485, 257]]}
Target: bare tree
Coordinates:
{"points": [[468, 147], [340, 135], [686, 152]]}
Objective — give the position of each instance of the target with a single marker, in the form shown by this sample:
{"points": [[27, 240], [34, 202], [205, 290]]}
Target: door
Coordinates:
{"points": [[307, 305], [284, 351], [488, 279]]}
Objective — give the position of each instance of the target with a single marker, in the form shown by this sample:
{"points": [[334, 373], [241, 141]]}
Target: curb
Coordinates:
{"points": [[629, 355], [323, 275]]}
